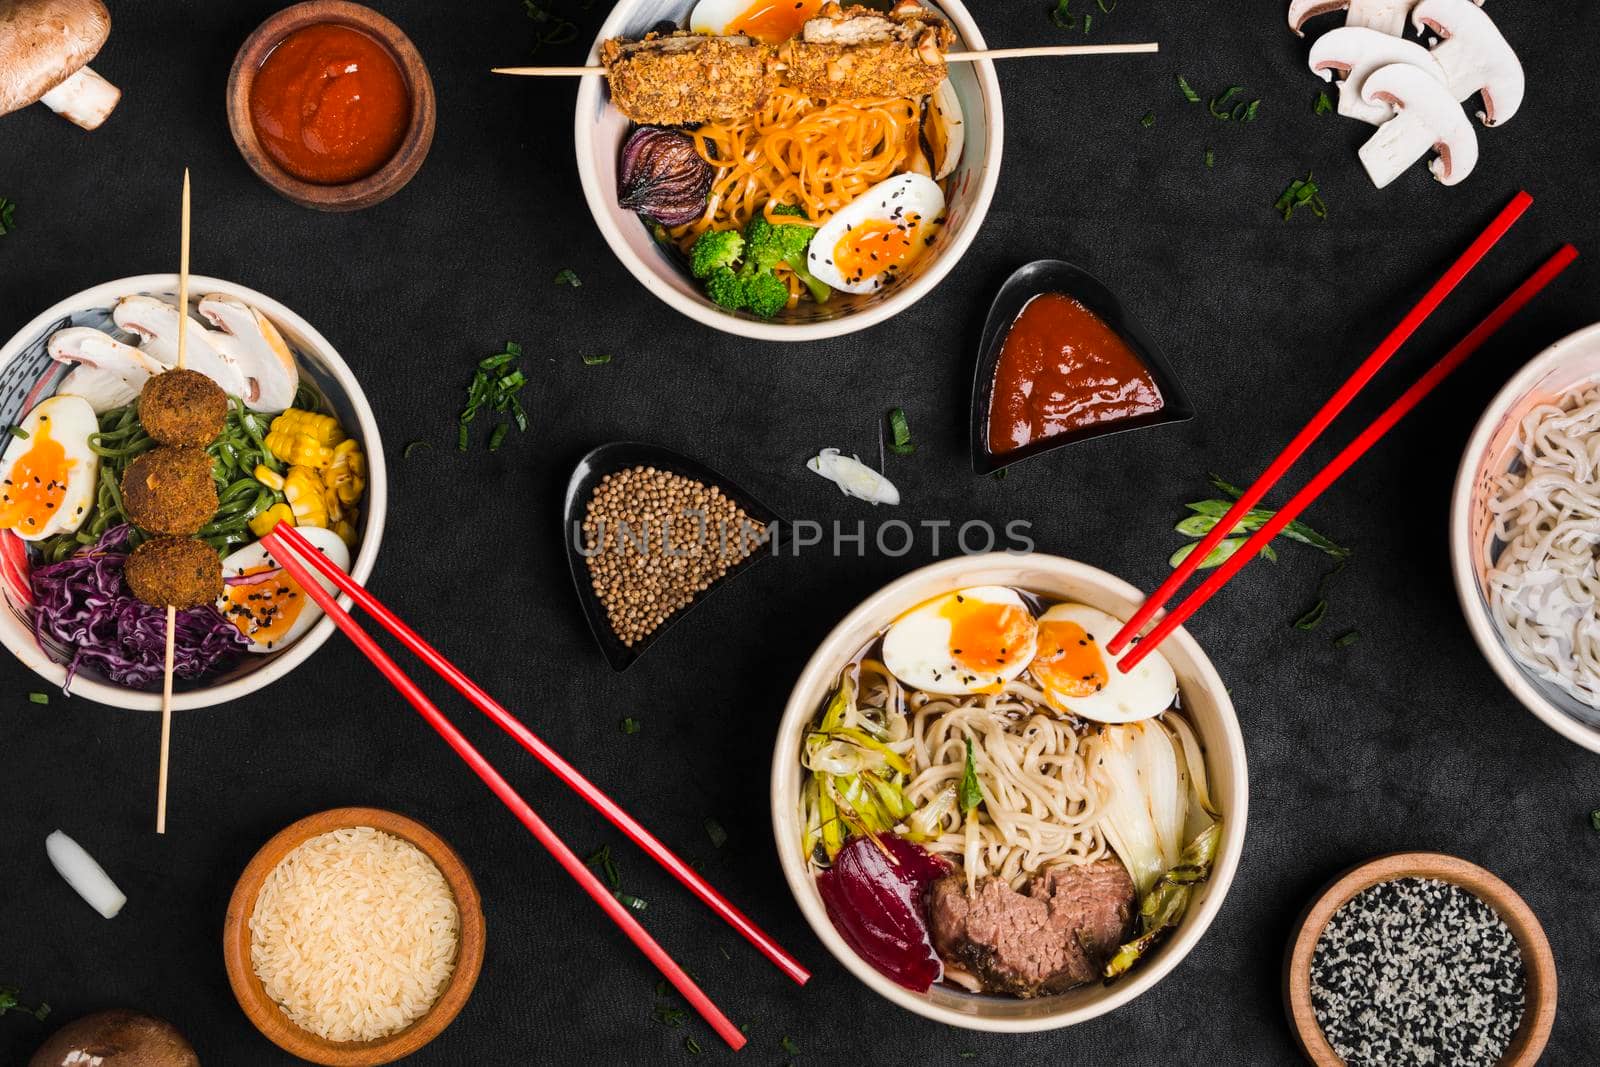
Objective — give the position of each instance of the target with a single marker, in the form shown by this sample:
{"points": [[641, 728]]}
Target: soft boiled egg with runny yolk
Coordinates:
{"points": [[267, 605], [768, 21], [1077, 674], [970, 641], [48, 472], [874, 240]]}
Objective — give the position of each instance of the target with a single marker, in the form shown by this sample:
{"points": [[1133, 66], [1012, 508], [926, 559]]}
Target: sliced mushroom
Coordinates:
{"points": [[1353, 52], [261, 353], [101, 388], [945, 129], [1427, 118], [45, 49], [1474, 56], [1384, 16], [156, 322]]}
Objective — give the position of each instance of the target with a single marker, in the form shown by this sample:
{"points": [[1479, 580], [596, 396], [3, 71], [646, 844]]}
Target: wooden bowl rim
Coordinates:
{"points": [[265, 1013], [1540, 986], [408, 157]]}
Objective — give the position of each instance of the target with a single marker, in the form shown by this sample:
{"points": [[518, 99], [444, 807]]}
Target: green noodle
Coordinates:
{"points": [[235, 454]]}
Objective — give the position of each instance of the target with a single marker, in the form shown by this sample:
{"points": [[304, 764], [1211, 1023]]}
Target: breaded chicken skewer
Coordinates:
{"points": [[682, 79]]}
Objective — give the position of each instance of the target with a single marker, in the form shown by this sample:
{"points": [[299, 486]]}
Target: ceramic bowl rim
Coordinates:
{"points": [[798, 710], [1481, 626], [949, 254], [21, 644]]}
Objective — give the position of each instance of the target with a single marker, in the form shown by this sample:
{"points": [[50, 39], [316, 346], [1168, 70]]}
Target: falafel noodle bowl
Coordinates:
{"points": [[129, 484], [984, 817], [788, 170]]}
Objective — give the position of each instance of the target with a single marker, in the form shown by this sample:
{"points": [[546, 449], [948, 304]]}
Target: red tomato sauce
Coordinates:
{"points": [[330, 105], [1062, 368]]}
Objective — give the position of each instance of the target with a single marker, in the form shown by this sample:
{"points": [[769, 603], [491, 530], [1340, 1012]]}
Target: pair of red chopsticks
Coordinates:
{"points": [[292, 552], [1353, 451]]}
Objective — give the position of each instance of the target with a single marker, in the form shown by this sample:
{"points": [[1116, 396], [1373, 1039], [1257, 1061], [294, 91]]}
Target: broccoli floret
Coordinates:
{"points": [[768, 244], [726, 289], [715, 249], [790, 209], [765, 294]]}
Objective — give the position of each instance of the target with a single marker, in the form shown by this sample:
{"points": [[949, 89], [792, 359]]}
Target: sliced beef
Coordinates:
{"points": [[1057, 935]]}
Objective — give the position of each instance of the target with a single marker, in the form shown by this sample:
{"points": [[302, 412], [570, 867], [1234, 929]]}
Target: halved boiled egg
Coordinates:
{"points": [[48, 472], [768, 21], [1077, 675], [267, 605], [875, 238], [970, 641]]}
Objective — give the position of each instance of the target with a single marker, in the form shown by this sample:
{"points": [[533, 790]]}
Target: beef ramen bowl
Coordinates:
{"points": [[1524, 525], [148, 485], [988, 822], [876, 157]]}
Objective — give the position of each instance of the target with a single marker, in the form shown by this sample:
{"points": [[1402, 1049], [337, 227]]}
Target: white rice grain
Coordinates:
{"points": [[354, 934]]}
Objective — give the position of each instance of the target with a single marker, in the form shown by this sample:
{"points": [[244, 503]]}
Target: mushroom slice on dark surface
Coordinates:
{"points": [[1474, 55], [1352, 53], [45, 49], [1427, 118]]}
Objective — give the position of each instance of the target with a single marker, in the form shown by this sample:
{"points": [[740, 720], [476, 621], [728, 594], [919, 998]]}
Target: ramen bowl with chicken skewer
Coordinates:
{"points": [[728, 220]]}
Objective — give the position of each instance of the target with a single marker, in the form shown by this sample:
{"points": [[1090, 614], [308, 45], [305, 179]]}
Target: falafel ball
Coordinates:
{"points": [[183, 407], [169, 490], [181, 571]]}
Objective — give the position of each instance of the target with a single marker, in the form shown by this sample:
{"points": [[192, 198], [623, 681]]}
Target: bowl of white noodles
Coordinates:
{"points": [[1525, 536], [1102, 831]]}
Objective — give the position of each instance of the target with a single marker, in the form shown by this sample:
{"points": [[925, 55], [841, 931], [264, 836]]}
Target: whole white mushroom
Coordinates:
{"points": [[45, 49]]}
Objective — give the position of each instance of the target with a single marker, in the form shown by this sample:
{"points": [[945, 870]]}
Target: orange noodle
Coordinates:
{"points": [[800, 151]]}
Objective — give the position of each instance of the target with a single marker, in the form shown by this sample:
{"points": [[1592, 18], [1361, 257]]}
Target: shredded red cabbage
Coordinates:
{"points": [[84, 603]]}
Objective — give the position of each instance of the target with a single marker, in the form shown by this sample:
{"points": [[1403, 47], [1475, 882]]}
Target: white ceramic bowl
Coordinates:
{"points": [[1205, 701], [1569, 362], [27, 374], [600, 130]]}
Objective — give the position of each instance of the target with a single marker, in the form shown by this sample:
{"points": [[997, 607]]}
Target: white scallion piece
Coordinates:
{"points": [[84, 874], [853, 477]]}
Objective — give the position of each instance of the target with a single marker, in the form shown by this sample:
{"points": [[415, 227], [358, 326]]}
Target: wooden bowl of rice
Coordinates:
{"points": [[353, 937]]}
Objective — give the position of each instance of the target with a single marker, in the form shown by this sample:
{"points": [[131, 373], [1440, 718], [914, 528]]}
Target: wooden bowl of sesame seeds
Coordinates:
{"points": [[650, 534], [1416, 871]]}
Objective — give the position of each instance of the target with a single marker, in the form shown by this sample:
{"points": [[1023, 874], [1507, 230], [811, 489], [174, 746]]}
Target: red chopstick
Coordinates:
{"points": [[568, 859], [1319, 422], [1352, 452], [543, 753]]}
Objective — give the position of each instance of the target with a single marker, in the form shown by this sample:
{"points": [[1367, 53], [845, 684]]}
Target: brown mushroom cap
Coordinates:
{"points": [[116, 1038], [45, 42]]}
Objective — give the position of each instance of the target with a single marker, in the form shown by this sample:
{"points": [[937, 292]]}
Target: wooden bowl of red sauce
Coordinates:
{"points": [[331, 105], [1062, 361]]}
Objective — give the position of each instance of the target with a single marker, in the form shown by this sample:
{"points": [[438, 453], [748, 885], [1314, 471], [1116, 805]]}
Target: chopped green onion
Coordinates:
{"points": [[718, 835], [412, 446], [10, 1001], [1149, 119], [900, 433], [630, 725], [601, 858], [1594, 818], [669, 1014], [7, 211], [567, 277], [1063, 18], [788, 1046], [497, 436], [18, 431], [1000, 475], [1188, 92], [1301, 194], [1345, 640], [1313, 618], [596, 361], [632, 903], [1210, 158], [692, 1045], [1250, 111], [39, 698], [970, 794], [1088, 21], [1324, 105], [1222, 102]]}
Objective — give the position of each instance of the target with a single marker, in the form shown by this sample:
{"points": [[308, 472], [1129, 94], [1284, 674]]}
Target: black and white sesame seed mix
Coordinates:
{"points": [[1417, 972]]}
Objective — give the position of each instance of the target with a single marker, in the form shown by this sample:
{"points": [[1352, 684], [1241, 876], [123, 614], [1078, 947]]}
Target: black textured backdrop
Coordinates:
{"points": [[1404, 740]]}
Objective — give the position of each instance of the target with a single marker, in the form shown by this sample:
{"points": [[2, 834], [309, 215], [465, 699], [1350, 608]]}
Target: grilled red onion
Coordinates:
{"points": [[662, 177]]}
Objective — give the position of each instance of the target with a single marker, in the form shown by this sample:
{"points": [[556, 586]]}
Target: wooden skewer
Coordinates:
{"points": [[952, 57], [172, 612]]}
